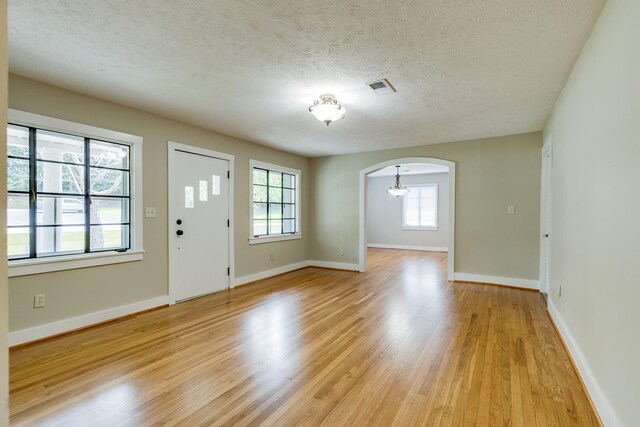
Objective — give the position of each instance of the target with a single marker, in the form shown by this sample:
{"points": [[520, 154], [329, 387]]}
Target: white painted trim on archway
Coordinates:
{"points": [[362, 259], [172, 147]]}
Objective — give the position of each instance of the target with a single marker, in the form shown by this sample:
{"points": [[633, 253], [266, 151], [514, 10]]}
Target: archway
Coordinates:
{"points": [[452, 205]]}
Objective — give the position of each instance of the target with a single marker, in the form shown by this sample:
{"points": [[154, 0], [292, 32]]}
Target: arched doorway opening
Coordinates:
{"points": [[451, 205]]}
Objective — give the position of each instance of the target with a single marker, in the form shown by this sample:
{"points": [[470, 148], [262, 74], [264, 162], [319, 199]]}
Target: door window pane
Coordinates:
{"points": [[204, 191], [189, 198], [215, 185]]}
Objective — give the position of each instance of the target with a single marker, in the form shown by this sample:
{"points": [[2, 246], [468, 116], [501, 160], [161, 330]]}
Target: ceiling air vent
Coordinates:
{"points": [[382, 87]]}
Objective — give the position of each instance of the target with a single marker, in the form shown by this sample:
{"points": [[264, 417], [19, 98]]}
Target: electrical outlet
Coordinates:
{"points": [[511, 210], [150, 212], [271, 257], [38, 301], [341, 252]]}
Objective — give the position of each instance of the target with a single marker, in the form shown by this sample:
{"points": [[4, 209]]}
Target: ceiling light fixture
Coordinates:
{"points": [[397, 189], [326, 109]]}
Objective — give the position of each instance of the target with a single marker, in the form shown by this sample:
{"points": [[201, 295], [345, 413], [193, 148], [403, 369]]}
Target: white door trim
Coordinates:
{"points": [[545, 212], [172, 147], [452, 206]]}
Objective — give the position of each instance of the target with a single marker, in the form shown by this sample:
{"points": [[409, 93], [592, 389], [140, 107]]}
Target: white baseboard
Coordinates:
{"points": [[496, 280], [54, 328], [270, 273], [595, 392], [408, 247], [335, 265], [243, 280]]}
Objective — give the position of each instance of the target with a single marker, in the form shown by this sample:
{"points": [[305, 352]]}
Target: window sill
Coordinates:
{"points": [[269, 239], [27, 267], [421, 228]]}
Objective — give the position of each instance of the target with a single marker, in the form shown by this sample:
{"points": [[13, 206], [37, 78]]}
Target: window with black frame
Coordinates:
{"points": [[67, 194], [274, 210]]}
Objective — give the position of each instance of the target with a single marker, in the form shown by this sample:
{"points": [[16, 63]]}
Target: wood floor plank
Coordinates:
{"points": [[398, 345]]}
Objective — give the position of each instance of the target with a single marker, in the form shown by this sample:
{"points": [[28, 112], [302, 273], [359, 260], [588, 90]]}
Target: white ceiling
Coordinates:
{"points": [[250, 68], [410, 169]]}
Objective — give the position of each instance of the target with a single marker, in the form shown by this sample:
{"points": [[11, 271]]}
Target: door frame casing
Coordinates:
{"points": [[362, 260], [545, 212], [172, 147]]}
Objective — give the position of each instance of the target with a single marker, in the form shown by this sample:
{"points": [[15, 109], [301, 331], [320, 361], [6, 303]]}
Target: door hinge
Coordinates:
{"points": [[228, 271], [228, 174]]}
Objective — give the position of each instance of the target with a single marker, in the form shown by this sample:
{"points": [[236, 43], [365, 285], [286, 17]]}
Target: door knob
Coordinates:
{"points": [[546, 235], [179, 232], [179, 222]]}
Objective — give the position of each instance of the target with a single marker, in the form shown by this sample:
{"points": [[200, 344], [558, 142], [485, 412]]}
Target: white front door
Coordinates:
{"points": [[199, 226], [545, 215]]}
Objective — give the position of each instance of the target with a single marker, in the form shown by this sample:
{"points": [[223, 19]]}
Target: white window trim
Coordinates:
{"points": [[68, 262], [410, 228], [280, 237]]}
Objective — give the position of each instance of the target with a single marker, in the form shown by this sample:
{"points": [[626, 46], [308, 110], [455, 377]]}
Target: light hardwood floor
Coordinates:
{"points": [[398, 345]]}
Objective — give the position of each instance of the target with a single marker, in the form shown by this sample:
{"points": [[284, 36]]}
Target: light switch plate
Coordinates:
{"points": [[150, 212], [511, 210]]}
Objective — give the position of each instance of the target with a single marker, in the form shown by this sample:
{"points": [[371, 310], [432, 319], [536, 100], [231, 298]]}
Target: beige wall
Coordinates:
{"points": [[77, 292], [4, 307], [595, 129], [384, 213], [491, 174]]}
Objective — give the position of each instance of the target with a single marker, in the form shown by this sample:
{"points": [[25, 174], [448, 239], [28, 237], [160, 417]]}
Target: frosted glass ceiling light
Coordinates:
{"points": [[326, 109], [397, 189]]}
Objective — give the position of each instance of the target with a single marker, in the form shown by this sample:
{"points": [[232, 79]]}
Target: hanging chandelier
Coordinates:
{"points": [[326, 109], [397, 189]]}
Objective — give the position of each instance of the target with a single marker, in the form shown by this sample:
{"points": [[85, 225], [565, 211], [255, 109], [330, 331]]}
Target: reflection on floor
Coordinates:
{"points": [[398, 345]]}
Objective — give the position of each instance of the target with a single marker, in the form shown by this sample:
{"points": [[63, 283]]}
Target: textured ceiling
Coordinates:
{"points": [[410, 169], [250, 68]]}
